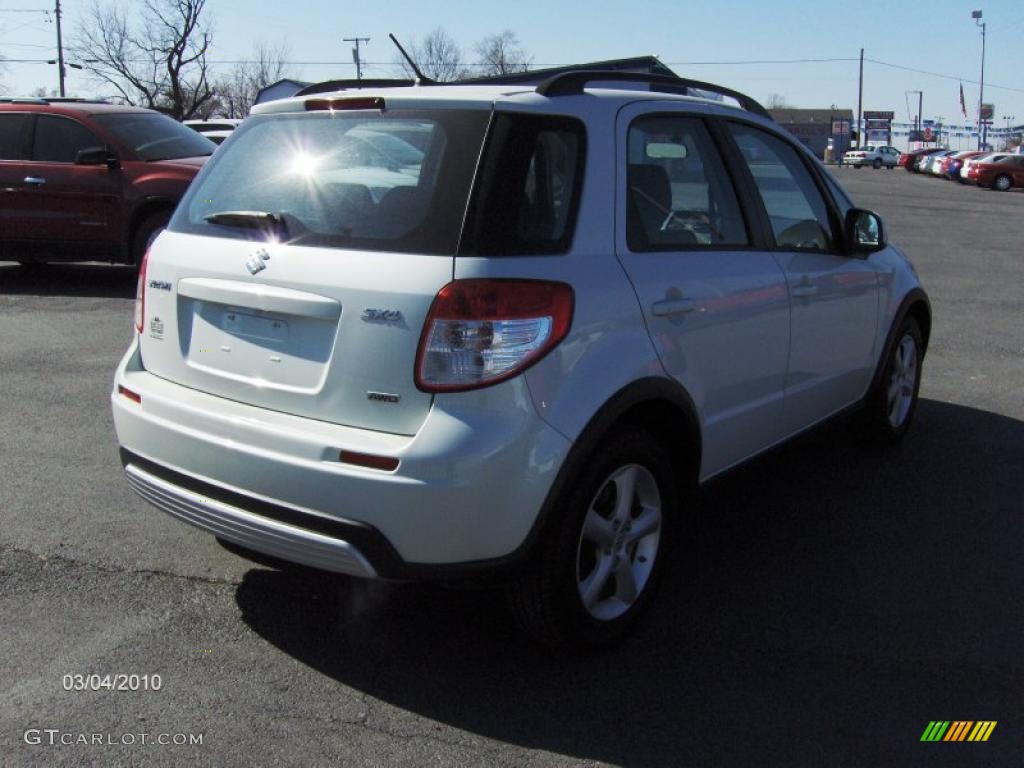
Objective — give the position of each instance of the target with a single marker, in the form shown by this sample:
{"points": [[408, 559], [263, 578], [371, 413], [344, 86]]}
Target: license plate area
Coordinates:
{"points": [[265, 349], [273, 330]]}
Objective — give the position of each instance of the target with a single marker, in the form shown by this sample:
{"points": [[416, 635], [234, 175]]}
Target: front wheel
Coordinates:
{"points": [[890, 406], [1002, 183], [603, 554]]}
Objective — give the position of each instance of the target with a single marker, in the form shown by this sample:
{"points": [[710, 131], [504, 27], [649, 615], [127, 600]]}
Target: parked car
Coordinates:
{"points": [[588, 301], [215, 130], [925, 163], [908, 160], [1001, 174], [86, 180], [876, 157], [952, 164], [984, 157]]}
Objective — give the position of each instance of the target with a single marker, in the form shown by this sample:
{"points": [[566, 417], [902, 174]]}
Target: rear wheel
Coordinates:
{"points": [[599, 564], [1002, 183], [877, 163], [146, 232]]}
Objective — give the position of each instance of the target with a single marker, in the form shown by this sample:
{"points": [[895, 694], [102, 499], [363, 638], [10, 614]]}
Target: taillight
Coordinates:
{"points": [[140, 295], [480, 332]]}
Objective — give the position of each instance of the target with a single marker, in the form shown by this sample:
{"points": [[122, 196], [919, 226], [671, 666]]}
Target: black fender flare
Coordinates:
{"points": [[915, 296]]}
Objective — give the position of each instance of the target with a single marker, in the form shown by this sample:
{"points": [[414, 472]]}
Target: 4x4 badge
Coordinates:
{"points": [[257, 261]]}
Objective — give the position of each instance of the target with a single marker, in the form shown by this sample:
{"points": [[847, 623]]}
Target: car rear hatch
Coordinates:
{"points": [[297, 271]]}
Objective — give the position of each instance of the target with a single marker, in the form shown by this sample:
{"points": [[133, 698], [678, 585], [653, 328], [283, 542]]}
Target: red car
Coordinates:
{"points": [[85, 181], [908, 159], [1001, 175]]}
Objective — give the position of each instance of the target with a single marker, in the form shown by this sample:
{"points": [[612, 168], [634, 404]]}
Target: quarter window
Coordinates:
{"points": [[60, 139], [527, 188], [798, 212], [678, 192]]}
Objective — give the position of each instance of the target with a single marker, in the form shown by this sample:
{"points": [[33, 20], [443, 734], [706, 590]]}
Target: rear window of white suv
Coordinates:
{"points": [[379, 181]]}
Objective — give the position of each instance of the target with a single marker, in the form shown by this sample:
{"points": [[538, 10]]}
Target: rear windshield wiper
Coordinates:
{"points": [[251, 219]]}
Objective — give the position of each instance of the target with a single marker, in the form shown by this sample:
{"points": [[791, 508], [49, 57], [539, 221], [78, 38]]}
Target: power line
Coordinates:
{"points": [[944, 77]]}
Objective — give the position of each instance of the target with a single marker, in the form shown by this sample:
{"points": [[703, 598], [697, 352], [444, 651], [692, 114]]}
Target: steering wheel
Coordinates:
{"points": [[687, 219], [155, 142]]}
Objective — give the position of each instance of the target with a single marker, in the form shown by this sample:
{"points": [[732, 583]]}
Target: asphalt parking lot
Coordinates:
{"points": [[844, 596]]}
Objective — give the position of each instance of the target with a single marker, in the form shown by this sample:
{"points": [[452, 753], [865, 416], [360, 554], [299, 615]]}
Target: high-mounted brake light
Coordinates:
{"points": [[481, 332], [140, 295], [336, 105]]}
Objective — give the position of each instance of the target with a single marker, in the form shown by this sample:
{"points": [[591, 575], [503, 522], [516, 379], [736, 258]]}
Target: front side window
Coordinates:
{"points": [[60, 139], [678, 191], [794, 204], [153, 136], [12, 127], [392, 181]]}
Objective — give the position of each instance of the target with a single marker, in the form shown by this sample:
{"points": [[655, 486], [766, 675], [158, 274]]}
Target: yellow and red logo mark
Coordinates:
{"points": [[958, 730]]}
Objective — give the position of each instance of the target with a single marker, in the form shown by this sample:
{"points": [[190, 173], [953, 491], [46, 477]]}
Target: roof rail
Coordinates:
{"points": [[345, 85], [49, 100], [572, 83]]}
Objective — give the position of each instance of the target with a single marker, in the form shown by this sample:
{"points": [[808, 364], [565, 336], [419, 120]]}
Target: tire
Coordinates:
{"points": [[591, 547], [890, 406], [146, 232], [1002, 183], [877, 163]]}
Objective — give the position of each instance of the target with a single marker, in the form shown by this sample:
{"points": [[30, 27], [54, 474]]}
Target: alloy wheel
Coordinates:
{"points": [[618, 543], [902, 381]]}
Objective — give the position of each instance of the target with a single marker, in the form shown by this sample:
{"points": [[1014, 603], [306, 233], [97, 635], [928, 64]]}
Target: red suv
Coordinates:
{"points": [[83, 181]]}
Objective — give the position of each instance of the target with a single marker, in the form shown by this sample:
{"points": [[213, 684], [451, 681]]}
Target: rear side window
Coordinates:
{"points": [[798, 212], [60, 139], [376, 181], [528, 187], [678, 192], [12, 136]]}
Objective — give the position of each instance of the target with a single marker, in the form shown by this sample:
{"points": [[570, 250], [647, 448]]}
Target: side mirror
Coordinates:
{"points": [[98, 156], [864, 232]]}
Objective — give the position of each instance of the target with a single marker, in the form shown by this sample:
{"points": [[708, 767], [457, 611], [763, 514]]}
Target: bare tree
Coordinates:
{"points": [[237, 92], [438, 56], [777, 101], [158, 63], [501, 55]]}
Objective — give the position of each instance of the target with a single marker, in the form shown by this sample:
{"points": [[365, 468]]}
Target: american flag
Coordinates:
{"points": [[963, 104]]}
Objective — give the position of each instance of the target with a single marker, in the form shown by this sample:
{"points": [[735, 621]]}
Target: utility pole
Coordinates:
{"points": [[920, 102], [60, 50], [860, 102], [355, 53], [982, 126]]}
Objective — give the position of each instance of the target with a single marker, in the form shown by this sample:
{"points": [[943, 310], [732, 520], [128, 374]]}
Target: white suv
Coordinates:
{"points": [[436, 331]]}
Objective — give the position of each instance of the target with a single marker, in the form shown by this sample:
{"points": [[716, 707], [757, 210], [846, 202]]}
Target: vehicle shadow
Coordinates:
{"points": [[844, 597], [101, 281]]}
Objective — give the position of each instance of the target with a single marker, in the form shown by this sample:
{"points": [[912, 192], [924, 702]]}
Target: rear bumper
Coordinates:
{"points": [[267, 528], [465, 497]]}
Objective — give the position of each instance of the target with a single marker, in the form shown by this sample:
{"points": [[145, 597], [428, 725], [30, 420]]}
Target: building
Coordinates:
{"points": [[282, 89], [814, 127]]}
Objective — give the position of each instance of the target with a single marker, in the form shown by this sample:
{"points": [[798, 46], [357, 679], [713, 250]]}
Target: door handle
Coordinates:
{"points": [[803, 289], [670, 307], [34, 180]]}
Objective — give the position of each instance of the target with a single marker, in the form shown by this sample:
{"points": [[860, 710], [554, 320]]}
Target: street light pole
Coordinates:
{"points": [[860, 102], [982, 132]]}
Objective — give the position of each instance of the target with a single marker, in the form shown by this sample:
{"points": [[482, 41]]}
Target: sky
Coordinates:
{"points": [[740, 44]]}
